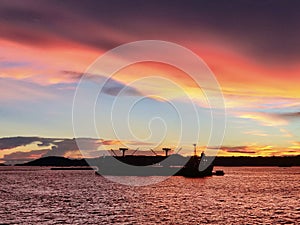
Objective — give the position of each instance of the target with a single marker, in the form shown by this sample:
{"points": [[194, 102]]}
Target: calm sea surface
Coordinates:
{"points": [[249, 195]]}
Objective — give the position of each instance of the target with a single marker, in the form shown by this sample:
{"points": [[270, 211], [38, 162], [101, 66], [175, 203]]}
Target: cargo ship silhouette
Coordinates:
{"points": [[157, 165]]}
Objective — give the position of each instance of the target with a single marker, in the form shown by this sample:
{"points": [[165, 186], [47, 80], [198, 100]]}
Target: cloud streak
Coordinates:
{"points": [[89, 147], [265, 119], [24, 156], [270, 119], [48, 22], [258, 150], [13, 142]]}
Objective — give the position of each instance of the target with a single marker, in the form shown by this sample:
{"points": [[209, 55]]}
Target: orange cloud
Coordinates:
{"points": [[23, 146], [295, 146], [259, 150], [18, 156], [239, 72], [46, 65], [111, 142]]}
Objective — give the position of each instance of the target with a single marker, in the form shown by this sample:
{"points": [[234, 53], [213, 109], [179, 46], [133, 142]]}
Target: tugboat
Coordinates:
{"points": [[167, 165]]}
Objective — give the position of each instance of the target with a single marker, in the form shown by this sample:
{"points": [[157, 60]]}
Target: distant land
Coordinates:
{"points": [[219, 161]]}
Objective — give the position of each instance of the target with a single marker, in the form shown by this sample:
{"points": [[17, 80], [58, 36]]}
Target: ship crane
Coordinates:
{"points": [[166, 150], [113, 152], [153, 151], [123, 150], [135, 151]]}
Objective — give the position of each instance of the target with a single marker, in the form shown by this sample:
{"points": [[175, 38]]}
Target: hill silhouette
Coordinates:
{"points": [[55, 161], [219, 161]]}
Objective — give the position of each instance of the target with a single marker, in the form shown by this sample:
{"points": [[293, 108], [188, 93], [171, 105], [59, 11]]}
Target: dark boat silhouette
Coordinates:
{"points": [[167, 165]]}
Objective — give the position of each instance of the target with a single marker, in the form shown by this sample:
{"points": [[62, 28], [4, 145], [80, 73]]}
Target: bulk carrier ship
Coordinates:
{"points": [[157, 165]]}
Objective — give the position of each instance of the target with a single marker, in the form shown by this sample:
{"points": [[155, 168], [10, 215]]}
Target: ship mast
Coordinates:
{"points": [[195, 149]]}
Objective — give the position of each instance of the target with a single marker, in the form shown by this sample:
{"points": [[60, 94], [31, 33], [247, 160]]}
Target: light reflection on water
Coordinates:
{"points": [[244, 195]]}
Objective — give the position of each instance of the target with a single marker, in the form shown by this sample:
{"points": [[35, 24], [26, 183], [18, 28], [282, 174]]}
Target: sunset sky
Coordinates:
{"points": [[252, 47]]}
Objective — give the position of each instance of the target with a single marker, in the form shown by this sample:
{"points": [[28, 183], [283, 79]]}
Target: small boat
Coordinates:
{"points": [[219, 173]]}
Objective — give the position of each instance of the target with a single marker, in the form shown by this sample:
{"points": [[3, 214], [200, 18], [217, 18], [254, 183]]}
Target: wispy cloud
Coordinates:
{"points": [[111, 86], [290, 115], [4, 64], [114, 88], [16, 90], [270, 118], [265, 119], [238, 149], [286, 133], [256, 133]]}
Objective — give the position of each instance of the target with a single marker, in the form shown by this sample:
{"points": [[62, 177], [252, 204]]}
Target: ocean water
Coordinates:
{"points": [[245, 195]]}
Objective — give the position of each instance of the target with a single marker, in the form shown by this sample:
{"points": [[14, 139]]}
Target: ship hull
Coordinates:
{"points": [[190, 169]]}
